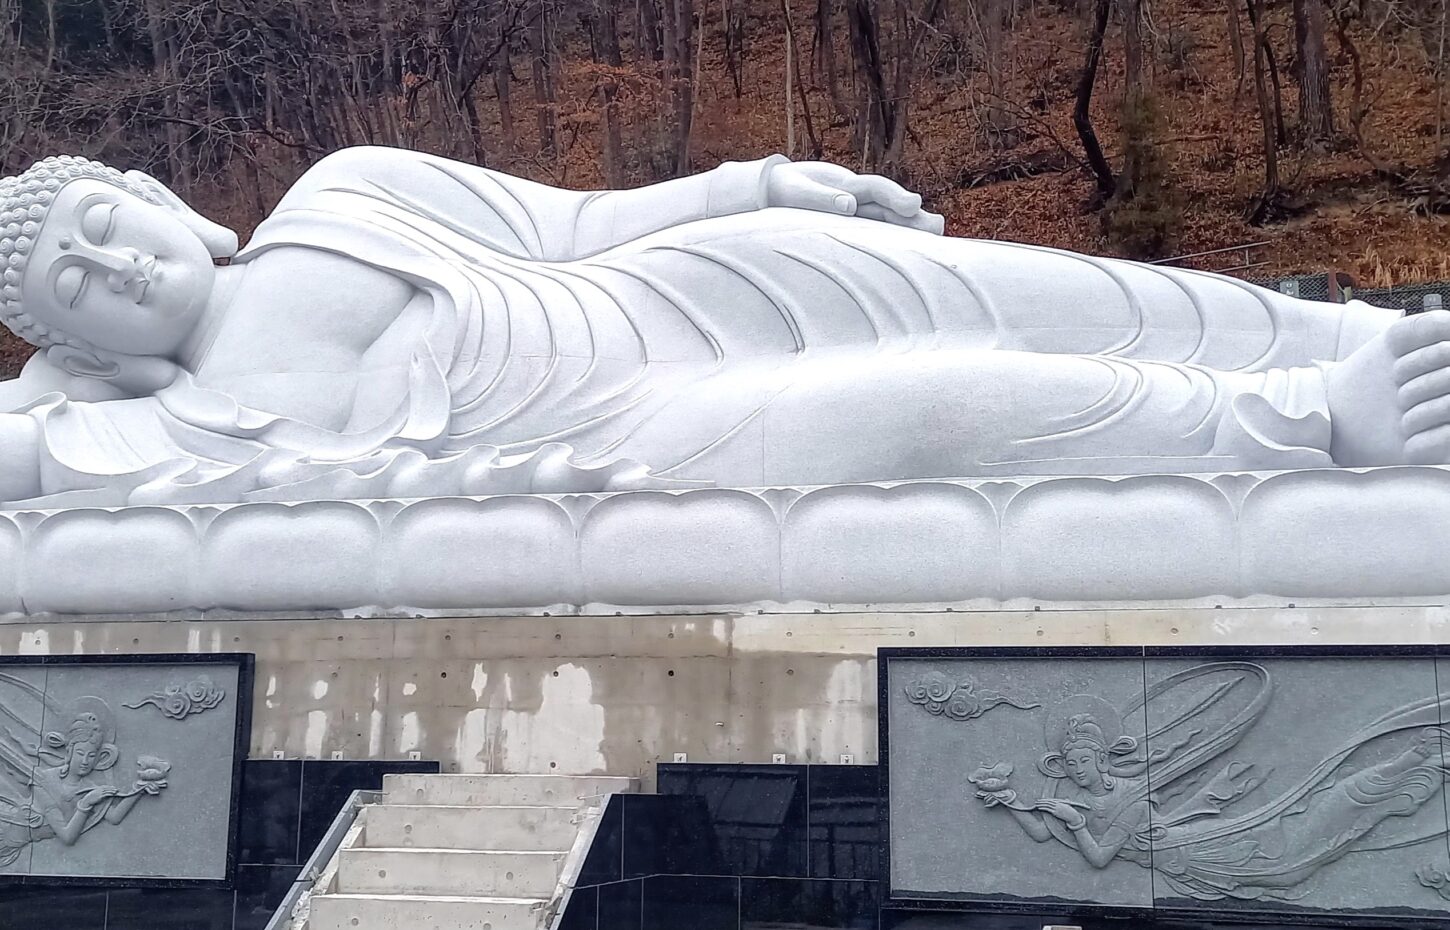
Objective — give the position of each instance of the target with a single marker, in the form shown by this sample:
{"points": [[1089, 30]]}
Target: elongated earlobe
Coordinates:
{"points": [[134, 375]]}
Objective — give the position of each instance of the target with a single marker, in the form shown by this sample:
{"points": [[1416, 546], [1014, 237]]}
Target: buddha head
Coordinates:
{"points": [[102, 265]]}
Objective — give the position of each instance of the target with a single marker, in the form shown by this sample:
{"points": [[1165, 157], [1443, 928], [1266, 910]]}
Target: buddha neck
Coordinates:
{"points": [[198, 343]]}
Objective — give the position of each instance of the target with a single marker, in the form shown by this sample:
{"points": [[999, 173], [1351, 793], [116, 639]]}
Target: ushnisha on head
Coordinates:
{"points": [[101, 267]]}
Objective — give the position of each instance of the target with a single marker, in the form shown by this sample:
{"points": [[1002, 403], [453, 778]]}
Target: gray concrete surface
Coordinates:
{"points": [[574, 695]]}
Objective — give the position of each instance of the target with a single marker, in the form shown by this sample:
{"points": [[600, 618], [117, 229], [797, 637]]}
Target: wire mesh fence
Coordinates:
{"points": [[1411, 298]]}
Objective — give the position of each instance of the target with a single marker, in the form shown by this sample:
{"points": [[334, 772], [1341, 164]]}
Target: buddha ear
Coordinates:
{"points": [[220, 242], [134, 375], [80, 364]]}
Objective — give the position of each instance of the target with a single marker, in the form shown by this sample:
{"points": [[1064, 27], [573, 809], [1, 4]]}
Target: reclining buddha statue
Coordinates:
{"points": [[403, 325]]}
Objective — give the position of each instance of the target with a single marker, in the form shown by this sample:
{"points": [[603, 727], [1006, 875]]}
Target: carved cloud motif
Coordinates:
{"points": [[956, 698], [179, 701]]}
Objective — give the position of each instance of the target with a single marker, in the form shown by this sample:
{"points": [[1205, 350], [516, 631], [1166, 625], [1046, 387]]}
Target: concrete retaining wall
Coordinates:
{"points": [[615, 694]]}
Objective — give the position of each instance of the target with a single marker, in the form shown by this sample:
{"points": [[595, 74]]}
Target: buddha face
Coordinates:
{"points": [[121, 273]]}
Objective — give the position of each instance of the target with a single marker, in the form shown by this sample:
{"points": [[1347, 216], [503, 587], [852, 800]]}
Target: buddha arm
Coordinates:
{"points": [[605, 219], [19, 458], [522, 218]]}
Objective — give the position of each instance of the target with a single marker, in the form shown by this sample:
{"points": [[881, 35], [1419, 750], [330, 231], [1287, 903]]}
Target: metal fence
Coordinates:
{"points": [[1411, 298], [1336, 287]]}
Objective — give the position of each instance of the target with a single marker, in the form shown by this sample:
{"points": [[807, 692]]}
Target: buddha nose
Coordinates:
{"points": [[134, 270]]}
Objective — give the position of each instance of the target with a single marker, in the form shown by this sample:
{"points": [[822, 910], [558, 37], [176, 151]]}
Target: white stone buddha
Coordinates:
{"points": [[405, 326]]}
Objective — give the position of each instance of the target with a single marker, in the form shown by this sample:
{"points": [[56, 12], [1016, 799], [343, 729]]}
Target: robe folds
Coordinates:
{"points": [[593, 341]]}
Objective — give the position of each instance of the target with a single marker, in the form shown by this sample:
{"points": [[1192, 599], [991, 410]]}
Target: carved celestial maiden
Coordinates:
{"points": [[1198, 827], [407, 326], [58, 777]]}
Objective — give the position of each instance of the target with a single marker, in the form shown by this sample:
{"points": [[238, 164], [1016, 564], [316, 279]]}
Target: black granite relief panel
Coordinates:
{"points": [[49, 907], [690, 902], [326, 785], [169, 909], [758, 813], [808, 904], [844, 822], [260, 888], [620, 905], [271, 811], [669, 835]]}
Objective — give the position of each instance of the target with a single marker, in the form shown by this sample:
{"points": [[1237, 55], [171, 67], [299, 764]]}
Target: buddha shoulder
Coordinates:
{"points": [[309, 303]]}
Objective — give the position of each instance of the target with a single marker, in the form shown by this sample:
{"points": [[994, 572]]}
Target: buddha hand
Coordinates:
{"points": [[818, 185]]}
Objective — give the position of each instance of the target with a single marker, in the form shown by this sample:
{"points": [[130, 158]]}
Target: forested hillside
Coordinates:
{"points": [[1136, 127]]}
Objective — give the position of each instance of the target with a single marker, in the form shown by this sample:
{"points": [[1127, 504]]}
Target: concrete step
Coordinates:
{"points": [[464, 872], [500, 790], [520, 828], [424, 912]]}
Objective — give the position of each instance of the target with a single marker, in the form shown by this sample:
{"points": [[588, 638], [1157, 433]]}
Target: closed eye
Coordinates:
{"points": [[71, 284], [98, 221]]}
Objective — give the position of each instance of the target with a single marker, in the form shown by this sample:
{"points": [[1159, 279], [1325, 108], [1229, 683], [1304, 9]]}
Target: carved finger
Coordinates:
{"points": [[1422, 362], [1426, 416], [1418, 331], [808, 194], [1425, 387], [1432, 447], [875, 189]]}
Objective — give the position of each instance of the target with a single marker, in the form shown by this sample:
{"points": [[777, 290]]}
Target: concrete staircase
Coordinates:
{"points": [[461, 852]]}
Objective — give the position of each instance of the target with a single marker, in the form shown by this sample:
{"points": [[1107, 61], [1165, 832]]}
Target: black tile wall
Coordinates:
{"points": [[844, 821], [47, 907], [260, 888], [673, 902], [758, 813], [620, 905], [169, 909], [669, 835], [271, 811], [583, 910], [605, 860], [814, 903]]}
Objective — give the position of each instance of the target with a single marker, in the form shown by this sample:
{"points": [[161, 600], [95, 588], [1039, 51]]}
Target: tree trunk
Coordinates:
{"points": [[679, 20], [1082, 109], [545, 97], [1270, 194], [993, 50], [1134, 95], [873, 123], [502, 76], [793, 78], [825, 57], [1316, 114], [735, 44], [1236, 46], [605, 49], [652, 36]]}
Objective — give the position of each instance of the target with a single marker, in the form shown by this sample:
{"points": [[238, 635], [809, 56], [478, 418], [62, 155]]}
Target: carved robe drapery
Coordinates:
{"points": [[573, 337]]}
